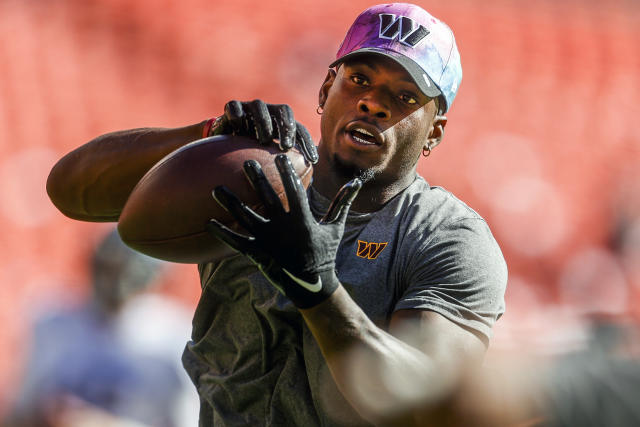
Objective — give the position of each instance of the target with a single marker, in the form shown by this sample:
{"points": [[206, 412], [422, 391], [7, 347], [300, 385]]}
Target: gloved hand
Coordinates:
{"points": [[265, 122], [295, 252]]}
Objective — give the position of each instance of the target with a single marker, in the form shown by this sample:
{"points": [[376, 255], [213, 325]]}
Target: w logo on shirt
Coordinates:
{"points": [[370, 250], [402, 28]]}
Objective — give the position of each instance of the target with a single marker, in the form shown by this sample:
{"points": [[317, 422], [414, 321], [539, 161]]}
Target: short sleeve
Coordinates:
{"points": [[459, 272]]}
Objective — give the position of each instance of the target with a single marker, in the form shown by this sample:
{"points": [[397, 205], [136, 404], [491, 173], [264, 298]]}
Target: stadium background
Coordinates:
{"points": [[542, 140]]}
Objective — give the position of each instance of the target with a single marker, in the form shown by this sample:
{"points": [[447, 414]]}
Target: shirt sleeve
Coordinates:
{"points": [[459, 272]]}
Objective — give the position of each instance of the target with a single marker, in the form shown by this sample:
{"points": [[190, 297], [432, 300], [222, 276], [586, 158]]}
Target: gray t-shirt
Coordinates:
{"points": [[253, 359]]}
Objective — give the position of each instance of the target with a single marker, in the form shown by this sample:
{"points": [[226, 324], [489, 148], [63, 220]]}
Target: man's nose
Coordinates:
{"points": [[372, 105]]}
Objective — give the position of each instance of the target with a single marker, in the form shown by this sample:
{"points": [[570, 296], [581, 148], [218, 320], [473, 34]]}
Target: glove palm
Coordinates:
{"points": [[293, 250]]}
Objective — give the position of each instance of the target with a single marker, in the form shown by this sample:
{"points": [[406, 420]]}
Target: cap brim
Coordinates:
{"points": [[419, 76]]}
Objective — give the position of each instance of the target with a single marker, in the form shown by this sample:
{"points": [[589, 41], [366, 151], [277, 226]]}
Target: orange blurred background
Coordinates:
{"points": [[542, 140]]}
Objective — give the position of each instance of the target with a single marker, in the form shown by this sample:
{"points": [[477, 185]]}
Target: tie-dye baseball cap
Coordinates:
{"points": [[408, 34]]}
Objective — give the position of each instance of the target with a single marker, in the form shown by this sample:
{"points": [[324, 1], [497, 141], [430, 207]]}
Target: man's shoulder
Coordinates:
{"points": [[435, 204]]}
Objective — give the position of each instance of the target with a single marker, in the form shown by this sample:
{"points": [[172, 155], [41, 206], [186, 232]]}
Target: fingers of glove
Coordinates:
{"points": [[235, 116], [261, 121], [261, 184], [306, 144], [282, 116], [296, 194], [245, 216], [341, 203], [235, 241]]}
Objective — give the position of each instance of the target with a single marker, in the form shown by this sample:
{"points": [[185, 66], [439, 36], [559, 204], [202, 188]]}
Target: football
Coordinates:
{"points": [[166, 213]]}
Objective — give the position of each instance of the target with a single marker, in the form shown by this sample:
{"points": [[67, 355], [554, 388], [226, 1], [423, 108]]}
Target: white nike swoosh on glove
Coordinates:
{"points": [[312, 287]]}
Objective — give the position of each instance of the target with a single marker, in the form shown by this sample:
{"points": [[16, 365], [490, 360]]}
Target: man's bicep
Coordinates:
{"points": [[94, 181], [438, 337]]}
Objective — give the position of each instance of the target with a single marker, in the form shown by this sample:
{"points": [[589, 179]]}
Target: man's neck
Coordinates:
{"points": [[373, 195]]}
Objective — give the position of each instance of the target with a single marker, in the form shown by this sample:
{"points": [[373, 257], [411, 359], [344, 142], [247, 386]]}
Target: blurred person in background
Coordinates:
{"points": [[268, 342], [94, 364]]}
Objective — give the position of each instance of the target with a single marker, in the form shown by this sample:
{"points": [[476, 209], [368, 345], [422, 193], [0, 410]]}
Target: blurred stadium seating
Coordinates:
{"points": [[542, 139]]}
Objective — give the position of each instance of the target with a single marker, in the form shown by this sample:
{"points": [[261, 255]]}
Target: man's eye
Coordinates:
{"points": [[408, 99], [359, 80]]}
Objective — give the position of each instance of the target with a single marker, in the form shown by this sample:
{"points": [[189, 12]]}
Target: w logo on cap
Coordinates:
{"points": [[404, 29]]}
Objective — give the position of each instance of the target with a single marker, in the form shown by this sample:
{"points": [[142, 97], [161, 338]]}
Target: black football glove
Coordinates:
{"points": [[295, 252], [265, 122]]}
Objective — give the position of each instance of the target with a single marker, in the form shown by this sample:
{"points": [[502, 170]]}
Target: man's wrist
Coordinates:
{"points": [[212, 127], [309, 291], [206, 129]]}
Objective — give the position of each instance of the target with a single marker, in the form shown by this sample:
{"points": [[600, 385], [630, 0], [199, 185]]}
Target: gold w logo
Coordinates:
{"points": [[370, 250]]}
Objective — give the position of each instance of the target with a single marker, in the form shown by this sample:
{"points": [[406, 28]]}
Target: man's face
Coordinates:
{"points": [[375, 120]]}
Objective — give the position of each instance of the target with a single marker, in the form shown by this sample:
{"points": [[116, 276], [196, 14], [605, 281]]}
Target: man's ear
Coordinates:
{"points": [[326, 85], [437, 133]]}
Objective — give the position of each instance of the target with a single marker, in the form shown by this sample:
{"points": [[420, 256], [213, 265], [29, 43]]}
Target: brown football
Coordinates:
{"points": [[166, 213]]}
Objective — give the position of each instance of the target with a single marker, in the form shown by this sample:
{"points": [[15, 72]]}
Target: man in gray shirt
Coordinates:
{"points": [[307, 324]]}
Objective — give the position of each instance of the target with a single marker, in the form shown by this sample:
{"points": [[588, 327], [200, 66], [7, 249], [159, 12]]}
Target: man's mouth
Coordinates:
{"points": [[363, 136]]}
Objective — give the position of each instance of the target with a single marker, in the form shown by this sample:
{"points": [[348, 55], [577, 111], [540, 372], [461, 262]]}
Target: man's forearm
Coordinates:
{"points": [[367, 362], [93, 182]]}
